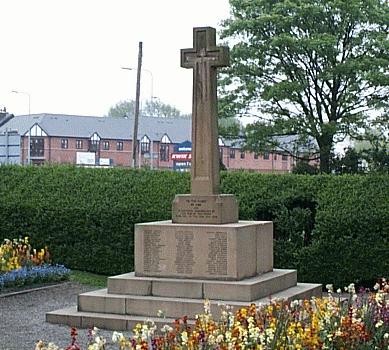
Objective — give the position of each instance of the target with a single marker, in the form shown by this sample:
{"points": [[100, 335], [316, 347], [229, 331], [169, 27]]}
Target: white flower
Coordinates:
{"points": [[379, 324], [116, 336], [386, 336], [184, 337], [351, 288], [219, 338], [207, 306], [166, 329], [160, 313], [376, 286], [330, 288]]}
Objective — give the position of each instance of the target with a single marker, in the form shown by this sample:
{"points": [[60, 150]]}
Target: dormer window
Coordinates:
{"points": [[164, 148], [145, 145], [94, 142]]}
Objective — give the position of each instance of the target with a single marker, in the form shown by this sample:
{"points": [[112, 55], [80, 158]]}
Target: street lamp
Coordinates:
{"points": [[152, 79], [29, 132], [29, 98]]}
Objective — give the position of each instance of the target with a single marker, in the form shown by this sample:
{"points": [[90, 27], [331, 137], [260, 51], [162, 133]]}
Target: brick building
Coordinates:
{"points": [[103, 141]]}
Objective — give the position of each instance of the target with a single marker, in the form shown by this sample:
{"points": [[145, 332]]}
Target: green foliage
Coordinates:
{"points": [[311, 68], [333, 229], [157, 108], [122, 109], [351, 235], [303, 167], [90, 279], [349, 163], [85, 216], [152, 108]]}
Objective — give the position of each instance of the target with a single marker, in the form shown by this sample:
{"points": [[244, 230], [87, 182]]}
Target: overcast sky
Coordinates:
{"points": [[68, 54]]}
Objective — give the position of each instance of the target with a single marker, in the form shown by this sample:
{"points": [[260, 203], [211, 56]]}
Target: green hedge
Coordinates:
{"points": [[333, 229]]}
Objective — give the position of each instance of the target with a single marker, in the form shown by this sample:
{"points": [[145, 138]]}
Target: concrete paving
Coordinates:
{"points": [[22, 317]]}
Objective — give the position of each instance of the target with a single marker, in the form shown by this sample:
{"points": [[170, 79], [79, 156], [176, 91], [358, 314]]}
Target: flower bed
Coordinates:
{"points": [[22, 265], [359, 322], [32, 275]]}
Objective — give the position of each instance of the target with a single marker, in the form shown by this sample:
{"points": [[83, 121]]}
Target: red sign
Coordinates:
{"points": [[181, 156]]}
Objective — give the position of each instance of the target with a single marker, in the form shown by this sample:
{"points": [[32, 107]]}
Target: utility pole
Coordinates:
{"points": [[136, 115]]}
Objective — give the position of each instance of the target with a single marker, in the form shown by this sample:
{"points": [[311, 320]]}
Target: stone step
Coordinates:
{"points": [[73, 318], [108, 304], [101, 301], [246, 290]]}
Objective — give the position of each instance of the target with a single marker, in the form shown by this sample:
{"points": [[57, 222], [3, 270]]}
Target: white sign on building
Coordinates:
{"points": [[86, 158], [104, 161]]}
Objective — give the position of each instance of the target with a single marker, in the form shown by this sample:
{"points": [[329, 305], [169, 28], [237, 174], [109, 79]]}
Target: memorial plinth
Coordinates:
{"points": [[204, 252], [205, 209]]}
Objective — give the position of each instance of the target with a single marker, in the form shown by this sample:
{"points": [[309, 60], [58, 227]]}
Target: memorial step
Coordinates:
{"points": [[72, 317], [245, 290], [102, 302], [123, 312]]}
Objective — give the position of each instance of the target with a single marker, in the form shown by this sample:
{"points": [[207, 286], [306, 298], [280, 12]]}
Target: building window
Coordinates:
{"points": [[232, 153], [266, 155], [255, 155], [94, 143], [105, 145], [164, 152], [275, 156], [78, 144], [37, 147], [64, 143], [119, 146], [242, 154], [284, 157], [145, 145]]}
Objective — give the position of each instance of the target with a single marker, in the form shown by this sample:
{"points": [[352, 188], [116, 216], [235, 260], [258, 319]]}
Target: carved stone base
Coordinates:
{"points": [[219, 252], [210, 209]]}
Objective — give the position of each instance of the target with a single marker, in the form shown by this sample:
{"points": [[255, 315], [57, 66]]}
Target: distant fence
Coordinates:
{"points": [[10, 148]]}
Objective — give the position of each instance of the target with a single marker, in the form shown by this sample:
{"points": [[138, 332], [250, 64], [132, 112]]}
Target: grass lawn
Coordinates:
{"points": [[88, 278]]}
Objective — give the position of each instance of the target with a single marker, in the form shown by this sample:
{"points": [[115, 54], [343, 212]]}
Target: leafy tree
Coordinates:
{"points": [[154, 108], [122, 109], [313, 68], [230, 128], [303, 167], [374, 149], [349, 163], [159, 109]]}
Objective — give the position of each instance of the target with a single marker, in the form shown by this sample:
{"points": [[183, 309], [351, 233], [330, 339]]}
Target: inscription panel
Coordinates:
{"points": [[217, 262], [195, 208], [153, 250], [184, 261]]}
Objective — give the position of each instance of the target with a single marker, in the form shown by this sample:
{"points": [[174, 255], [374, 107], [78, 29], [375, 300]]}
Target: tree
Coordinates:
{"points": [[310, 67], [349, 163], [122, 109], [153, 108], [157, 108]]}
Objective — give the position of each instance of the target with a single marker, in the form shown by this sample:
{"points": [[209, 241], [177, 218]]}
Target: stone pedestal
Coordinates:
{"points": [[205, 209], [202, 251], [177, 266]]}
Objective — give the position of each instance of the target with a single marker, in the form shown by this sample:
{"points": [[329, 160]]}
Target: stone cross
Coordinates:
{"points": [[204, 58]]}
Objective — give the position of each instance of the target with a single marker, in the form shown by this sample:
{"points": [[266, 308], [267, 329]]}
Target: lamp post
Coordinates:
{"points": [[151, 76], [29, 98], [29, 131]]}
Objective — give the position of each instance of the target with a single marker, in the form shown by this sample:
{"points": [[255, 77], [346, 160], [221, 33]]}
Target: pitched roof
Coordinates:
{"points": [[62, 125]]}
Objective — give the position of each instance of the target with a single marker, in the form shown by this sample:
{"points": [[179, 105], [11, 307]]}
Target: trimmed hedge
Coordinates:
{"points": [[333, 229]]}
